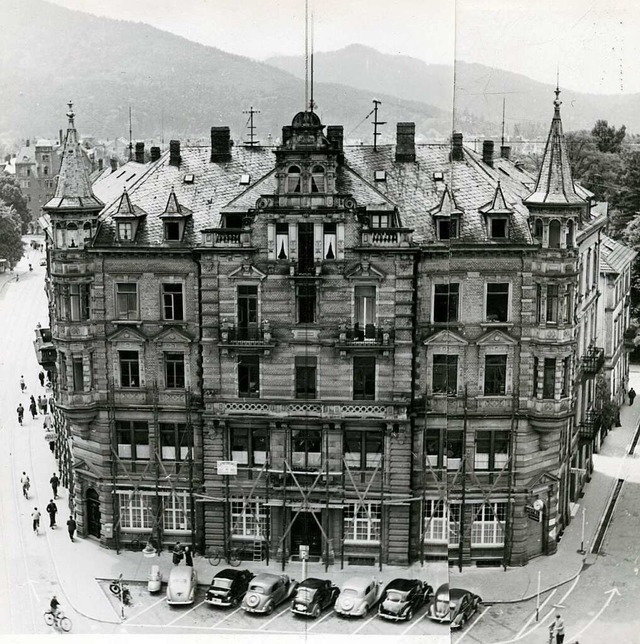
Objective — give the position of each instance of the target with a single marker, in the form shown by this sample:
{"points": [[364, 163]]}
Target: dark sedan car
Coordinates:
{"points": [[402, 598], [453, 605], [313, 596], [228, 587]]}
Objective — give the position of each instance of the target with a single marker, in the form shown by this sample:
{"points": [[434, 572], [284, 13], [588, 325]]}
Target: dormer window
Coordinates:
{"points": [[379, 221], [293, 179], [318, 179], [174, 219], [172, 231], [127, 219], [125, 231], [498, 228], [447, 228]]}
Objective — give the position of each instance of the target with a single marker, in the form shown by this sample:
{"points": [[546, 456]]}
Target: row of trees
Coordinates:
{"points": [[14, 218]]}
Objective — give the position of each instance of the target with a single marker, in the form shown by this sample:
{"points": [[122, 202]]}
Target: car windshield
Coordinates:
{"points": [[259, 590], [224, 584], [396, 596], [442, 606], [305, 594], [349, 592]]}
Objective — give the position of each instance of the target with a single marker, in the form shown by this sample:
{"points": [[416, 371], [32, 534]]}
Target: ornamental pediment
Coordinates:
{"points": [[247, 271], [496, 336], [364, 270], [127, 334], [446, 337], [172, 335]]}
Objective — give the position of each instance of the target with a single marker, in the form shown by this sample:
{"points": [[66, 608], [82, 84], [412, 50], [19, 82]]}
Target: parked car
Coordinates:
{"points": [[453, 605], [266, 591], [403, 597], [313, 595], [228, 587], [357, 596], [181, 587]]}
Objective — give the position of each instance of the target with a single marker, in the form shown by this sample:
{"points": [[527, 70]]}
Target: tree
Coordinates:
{"points": [[11, 195], [11, 247], [607, 138]]}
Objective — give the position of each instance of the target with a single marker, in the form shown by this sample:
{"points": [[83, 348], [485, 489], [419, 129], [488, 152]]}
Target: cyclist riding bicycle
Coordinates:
{"points": [[53, 605]]}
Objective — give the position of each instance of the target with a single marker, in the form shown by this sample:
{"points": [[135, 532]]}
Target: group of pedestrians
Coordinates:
{"points": [[40, 406], [52, 508], [180, 553]]}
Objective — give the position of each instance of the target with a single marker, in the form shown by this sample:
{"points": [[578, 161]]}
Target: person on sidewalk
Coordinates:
{"points": [[32, 408], [55, 482], [71, 527], [52, 510], [26, 484], [35, 515], [188, 557], [20, 411], [41, 377], [178, 554], [558, 626], [632, 395], [23, 384]]}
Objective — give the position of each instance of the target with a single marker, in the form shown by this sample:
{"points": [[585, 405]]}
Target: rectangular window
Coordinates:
{"points": [[552, 302], [568, 305], [549, 378], [362, 522], [433, 447], [495, 375], [454, 448], [435, 520], [454, 524], [78, 374], [249, 519], [306, 292], [174, 441], [63, 369], [306, 376], [498, 302], [498, 228], [363, 449], [127, 301], [249, 376], [174, 370], [306, 259], [133, 439], [492, 449], [538, 303], [445, 302], [79, 302], [282, 241], [329, 241], [365, 312], [247, 312], [172, 231], [566, 377], [379, 221], [445, 374], [535, 377], [447, 229], [172, 302], [176, 513], [129, 369], [364, 378], [488, 524], [248, 446], [125, 230], [136, 510], [306, 448]]}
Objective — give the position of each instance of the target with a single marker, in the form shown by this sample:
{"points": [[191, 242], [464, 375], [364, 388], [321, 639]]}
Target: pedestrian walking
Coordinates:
{"points": [[41, 377], [32, 407], [44, 404], [26, 484], [35, 515], [52, 447], [71, 527], [632, 395], [20, 411], [55, 482], [23, 385], [46, 422], [558, 626], [40, 405], [188, 557], [178, 554], [52, 510]]}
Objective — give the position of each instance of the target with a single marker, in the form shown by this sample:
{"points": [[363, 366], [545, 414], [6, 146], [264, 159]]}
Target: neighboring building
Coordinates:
{"points": [[386, 355]]}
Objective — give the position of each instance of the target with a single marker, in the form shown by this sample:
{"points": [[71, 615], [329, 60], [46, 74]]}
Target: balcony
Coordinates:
{"points": [[592, 361], [227, 237], [45, 350], [631, 338], [588, 426], [247, 338], [386, 237], [362, 339]]}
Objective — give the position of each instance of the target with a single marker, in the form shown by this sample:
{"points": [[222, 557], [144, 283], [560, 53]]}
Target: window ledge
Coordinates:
{"points": [[127, 322], [361, 542], [493, 325]]}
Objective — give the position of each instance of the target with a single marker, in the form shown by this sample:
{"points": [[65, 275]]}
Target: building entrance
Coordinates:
{"points": [[93, 513], [305, 531]]}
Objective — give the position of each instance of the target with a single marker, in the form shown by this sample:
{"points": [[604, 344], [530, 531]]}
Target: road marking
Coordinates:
{"points": [[363, 624], [185, 613], [317, 621], [414, 622], [274, 617], [142, 612], [466, 631], [33, 588], [206, 628], [533, 615], [226, 617], [614, 591]]}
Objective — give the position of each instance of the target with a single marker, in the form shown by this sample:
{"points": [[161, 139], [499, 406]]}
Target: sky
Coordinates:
{"points": [[593, 44]]}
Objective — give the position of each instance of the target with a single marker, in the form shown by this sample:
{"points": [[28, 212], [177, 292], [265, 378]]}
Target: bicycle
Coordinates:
{"points": [[59, 620], [234, 557], [115, 587]]}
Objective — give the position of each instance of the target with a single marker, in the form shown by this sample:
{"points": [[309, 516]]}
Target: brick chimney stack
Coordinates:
{"points": [[174, 153], [220, 144], [505, 151], [457, 153], [155, 153], [140, 152], [100, 164], [406, 142], [335, 134], [487, 152], [114, 164]]}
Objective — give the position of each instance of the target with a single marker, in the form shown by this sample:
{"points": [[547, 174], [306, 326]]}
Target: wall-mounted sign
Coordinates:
{"points": [[227, 468]]}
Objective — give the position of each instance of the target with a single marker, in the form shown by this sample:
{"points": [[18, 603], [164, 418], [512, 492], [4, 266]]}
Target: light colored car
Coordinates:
{"points": [[266, 591], [357, 596], [453, 605], [181, 587]]}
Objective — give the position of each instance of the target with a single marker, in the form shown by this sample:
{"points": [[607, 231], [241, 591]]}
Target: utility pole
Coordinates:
{"points": [[376, 134]]}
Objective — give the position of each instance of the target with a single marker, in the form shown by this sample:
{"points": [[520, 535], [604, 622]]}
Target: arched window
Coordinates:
{"points": [[318, 179], [293, 179], [570, 228], [86, 232], [554, 234], [538, 230], [72, 235]]}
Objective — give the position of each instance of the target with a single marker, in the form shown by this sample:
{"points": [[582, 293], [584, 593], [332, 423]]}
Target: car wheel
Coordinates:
{"points": [[409, 614], [316, 611], [463, 620], [269, 609], [366, 610]]}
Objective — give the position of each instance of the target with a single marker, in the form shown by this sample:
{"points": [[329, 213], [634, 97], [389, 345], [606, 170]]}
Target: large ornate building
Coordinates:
{"points": [[386, 353]]}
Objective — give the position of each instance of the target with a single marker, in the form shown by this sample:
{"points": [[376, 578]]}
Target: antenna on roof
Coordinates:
{"points": [[252, 142], [130, 137], [376, 134], [306, 54], [311, 103], [503, 104]]}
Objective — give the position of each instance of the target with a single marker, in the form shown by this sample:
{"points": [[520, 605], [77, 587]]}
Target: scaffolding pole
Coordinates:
{"points": [[464, 480], [510, 509]]}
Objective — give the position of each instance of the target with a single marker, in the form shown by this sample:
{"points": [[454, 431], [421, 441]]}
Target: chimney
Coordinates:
{"points": [[220, 144], [174, 153], [487, 152], [114, 164], [155, 153], [335, 135], [60, 140], [406, 142], [287, 131], [28, 143], [100, 164], [140, 152], [505, 152], [456, 150]]}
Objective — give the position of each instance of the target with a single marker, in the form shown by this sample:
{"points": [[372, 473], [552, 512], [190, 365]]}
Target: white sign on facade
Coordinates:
{"points": [[227, 468]]}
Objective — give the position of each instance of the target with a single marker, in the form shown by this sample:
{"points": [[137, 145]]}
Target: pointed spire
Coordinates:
{"points": [[73, 191], [555, 183]]}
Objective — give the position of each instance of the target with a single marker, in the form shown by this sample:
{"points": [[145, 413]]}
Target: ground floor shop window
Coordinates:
{"points": [[176, 512], [435, 520], [249, 519], [136, 510], [488, 524], [362, 522]]}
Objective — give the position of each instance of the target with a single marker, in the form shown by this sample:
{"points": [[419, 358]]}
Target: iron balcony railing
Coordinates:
{"points": [[593, 360]]}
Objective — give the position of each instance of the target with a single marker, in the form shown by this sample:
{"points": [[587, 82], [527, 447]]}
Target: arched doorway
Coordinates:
{"points": [[93, 513]]}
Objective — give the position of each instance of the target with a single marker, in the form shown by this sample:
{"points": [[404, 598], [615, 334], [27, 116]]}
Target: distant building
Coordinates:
{"points": [[386, 355]]}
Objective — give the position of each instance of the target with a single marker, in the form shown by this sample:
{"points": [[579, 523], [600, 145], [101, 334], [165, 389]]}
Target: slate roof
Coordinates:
{"points": [[614, 256]]}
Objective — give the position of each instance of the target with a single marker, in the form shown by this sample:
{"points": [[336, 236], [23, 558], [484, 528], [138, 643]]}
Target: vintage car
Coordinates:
{"points": [[314, 595], [401, 598], [228, 587], [266, 591], [453, 605], [357, 596], [181, 587]]}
